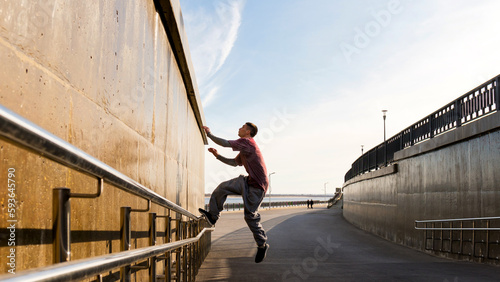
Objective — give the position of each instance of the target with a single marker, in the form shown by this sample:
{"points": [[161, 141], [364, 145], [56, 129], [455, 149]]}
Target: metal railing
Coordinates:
{"points": [[473, 237], [18, 130], [469, 107], [87, 268], [267, 205]]}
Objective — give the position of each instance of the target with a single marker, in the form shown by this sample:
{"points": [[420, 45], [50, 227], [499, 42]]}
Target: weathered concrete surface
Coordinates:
{"points": [[449, 177], [320, 245], [103, 76]]}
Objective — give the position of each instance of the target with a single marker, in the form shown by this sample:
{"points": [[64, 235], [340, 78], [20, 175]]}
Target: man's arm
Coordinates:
{"points": [[217, 140], [231, 162]]}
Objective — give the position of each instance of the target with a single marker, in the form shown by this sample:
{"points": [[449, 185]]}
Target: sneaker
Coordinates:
{"points": [[261, 253], [208, 216]]}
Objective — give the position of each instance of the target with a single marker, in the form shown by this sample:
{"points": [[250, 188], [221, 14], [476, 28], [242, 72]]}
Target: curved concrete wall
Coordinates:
{"points": [[104, 76], [454, 175]]}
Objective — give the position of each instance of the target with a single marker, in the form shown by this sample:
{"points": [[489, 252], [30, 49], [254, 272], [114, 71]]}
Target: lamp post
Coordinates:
{"points": [[384, 113], [270, 188], [325, 189], [362, 160]]}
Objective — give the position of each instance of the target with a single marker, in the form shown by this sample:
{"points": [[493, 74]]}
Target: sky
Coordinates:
{"points": [[315, 75]]}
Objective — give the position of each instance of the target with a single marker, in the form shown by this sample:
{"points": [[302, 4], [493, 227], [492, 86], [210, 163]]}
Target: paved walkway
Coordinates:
{"points": [[319, 245]]}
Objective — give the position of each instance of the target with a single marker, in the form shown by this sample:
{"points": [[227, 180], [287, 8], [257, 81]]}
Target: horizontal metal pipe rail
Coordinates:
{"points": [[19, 130], [477, 240], [475, 104], [86, 268], [456, 220]]}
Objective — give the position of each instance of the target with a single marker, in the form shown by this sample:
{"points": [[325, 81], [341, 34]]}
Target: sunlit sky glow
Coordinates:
{"points": [[315, 75]]}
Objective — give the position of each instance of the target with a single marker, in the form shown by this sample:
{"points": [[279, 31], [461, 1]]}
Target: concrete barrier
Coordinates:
{"points": [[453, 175], [115, 80]]}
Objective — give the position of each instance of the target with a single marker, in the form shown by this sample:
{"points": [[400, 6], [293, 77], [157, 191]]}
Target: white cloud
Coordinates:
{"points": [[212, 34], [208, 98]]}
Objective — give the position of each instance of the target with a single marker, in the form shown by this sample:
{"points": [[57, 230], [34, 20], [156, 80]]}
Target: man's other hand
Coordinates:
{"points": [[213, 151], [207, 129]]}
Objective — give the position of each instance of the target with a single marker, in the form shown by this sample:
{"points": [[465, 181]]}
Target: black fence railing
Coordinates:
{"points": [[267, 205], [473, 105]]}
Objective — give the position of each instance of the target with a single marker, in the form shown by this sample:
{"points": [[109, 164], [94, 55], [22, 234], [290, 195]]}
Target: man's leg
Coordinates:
{"points": [[234, 186], [252, 198]]}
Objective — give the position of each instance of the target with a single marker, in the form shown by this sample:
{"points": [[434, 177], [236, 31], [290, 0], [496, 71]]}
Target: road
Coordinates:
{"points": [[319, 245]]}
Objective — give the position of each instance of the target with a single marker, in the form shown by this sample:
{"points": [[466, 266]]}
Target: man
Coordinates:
{"points": [[252, 188]]}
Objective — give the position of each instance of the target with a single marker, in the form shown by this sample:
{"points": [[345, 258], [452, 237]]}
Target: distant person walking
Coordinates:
{"points": [[308, 203], [312, 202], [252, 188]]}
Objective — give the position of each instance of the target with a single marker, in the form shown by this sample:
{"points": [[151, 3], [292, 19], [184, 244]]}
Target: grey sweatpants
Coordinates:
{"points": [[252, 197]]}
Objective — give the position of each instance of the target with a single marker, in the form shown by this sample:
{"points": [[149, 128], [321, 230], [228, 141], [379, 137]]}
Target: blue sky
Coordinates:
{"points": [[315, 75]]}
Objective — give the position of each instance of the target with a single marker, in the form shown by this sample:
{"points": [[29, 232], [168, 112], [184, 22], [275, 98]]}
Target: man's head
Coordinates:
{"points": [[247, 130]]}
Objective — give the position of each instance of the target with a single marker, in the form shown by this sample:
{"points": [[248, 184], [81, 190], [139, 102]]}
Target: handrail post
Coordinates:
{"points": [[461, 237], [412, 142], [168, 239], [497, 94], [125, 238], [184, 253], [458, 112], [451, 238], [488, 239], [194, 246], [433, 232], [62, 224], [178, 236], [193, 249], [152, 242], [187, 254], [385, 153], [431, 127], [442, 238], [401, 141], [473, 239], [199, 246]]}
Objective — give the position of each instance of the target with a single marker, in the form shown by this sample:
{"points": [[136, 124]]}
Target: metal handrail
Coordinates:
{"points": [[455, 220], [473, 241], [458, 219], [16, 128], [86, 268]]}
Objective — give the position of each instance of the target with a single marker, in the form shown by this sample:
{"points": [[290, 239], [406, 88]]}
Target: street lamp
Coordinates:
{"points": [[270, 188], [325, 189], [384, 112]]}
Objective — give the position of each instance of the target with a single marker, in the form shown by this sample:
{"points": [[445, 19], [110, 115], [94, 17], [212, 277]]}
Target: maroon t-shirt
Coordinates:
{"points": [[251, 158]]}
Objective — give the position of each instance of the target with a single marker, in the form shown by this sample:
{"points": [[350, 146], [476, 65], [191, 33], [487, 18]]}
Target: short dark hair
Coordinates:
{"points": [[253, 128]]}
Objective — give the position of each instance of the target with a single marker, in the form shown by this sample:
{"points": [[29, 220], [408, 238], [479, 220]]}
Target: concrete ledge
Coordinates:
{"points": [[171, 17], [487, 124], [374, 174]]}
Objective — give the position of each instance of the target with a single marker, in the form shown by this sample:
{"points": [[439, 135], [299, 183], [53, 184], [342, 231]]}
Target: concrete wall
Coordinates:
{"points": [[454, 175], [104, 76]]}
